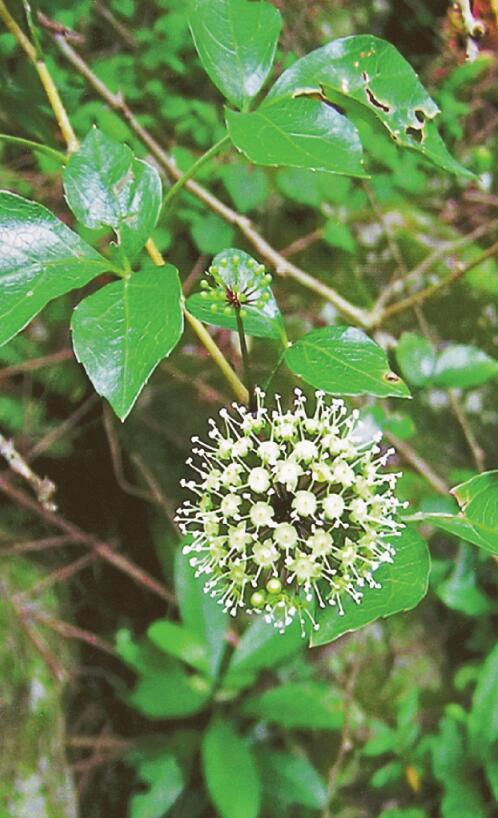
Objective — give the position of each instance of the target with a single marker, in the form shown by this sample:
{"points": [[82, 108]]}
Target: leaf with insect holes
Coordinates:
{"points": [[234, 278], [344, 361], [106, 186], [40, 259], [372, 73]]}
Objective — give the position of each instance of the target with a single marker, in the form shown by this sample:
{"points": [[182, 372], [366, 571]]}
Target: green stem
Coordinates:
{"points": [[245, 360], [34, 146], [181, 182]]}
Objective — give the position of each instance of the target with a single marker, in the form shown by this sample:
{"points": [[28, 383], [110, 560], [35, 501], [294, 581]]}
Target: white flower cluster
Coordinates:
{"points": [[292, 511]]}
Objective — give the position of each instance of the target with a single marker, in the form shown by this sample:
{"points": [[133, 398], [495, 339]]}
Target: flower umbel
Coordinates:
{"points": [[292, 510]]}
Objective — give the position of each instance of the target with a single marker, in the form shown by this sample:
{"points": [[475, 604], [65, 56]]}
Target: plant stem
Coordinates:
{"points": [[192, 171], [34, 146], [45, 78], [245, 360], [428, 292], [203, 335]]}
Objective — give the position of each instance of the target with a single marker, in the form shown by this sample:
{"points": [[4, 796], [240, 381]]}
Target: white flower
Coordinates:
{"points": [[305, 503], [291, 511], [230, 505], [333, 506], [288, 472], [259, 480], [261, 514], [285, 535]]}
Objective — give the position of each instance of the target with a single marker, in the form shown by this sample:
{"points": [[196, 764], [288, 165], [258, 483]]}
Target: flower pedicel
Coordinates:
{"points": [[292, 510]]}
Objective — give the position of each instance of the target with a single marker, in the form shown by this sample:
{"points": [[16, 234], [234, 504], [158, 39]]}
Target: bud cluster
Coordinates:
{"points": [[236, 281], [292, 512]]}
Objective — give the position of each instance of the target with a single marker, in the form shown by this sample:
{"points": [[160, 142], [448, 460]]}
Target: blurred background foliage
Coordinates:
{"points": [[396, 721]]}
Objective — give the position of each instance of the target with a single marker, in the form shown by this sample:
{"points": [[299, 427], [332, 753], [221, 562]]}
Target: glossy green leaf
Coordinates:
{"points": [[344, 361], [121, 332], [262, 647], [302, 133], [464, 366], [106, 186], [178, 641], [236, 41], [289, 779], [416, 358], [211, 233], [200, 613], [165, 783], [403, 584], [230, 771], [309, 705], [459, 591], [483, 718], [371, 72], [40, 259], [212, 306], [477, 521], [170, 693]]}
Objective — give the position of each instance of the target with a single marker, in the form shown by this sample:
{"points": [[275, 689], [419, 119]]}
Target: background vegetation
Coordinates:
{"points": [[395, 721]]}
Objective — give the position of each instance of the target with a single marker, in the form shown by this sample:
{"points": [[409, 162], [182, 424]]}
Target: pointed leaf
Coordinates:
{"points": [[310, 705], [371, 72], [403, 584], [200, 613], [302, 133], [121, 332], [230, 772], [170, 694], [416, 358], [289, 779], [40, 259], [236, 41], [166, 782], [106, 186], [178, 641], [262, 647], [344, 361], [464, 366]]}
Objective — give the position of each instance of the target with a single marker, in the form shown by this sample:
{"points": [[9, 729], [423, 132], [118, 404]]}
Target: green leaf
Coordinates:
{"points": [[383, 740], [106, 186], [310, 705], [477, 521], [247, 185], [416, 358], [170, 694], [403, 584], [460, 591], [289, 779], [464, 367], [211, 233], [450, 761], [483, 718], [40, 259], [178, 641], [200, 613], [230, 772], [344, 361], [238, 271], [371, 72], [301, 133], [121, 332], [165, 783], [339, 235], [236, 42], [262, 647]]}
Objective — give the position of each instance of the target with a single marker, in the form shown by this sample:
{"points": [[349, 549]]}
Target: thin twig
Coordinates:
{"points": [[302, 243], [35, 364], [69, 631], [478, 454], [116, 24], [117, 460], [419, 464], [429, 292], [60, 575], [102, 548], [35, 545], [42, 486], [53, 435]]}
